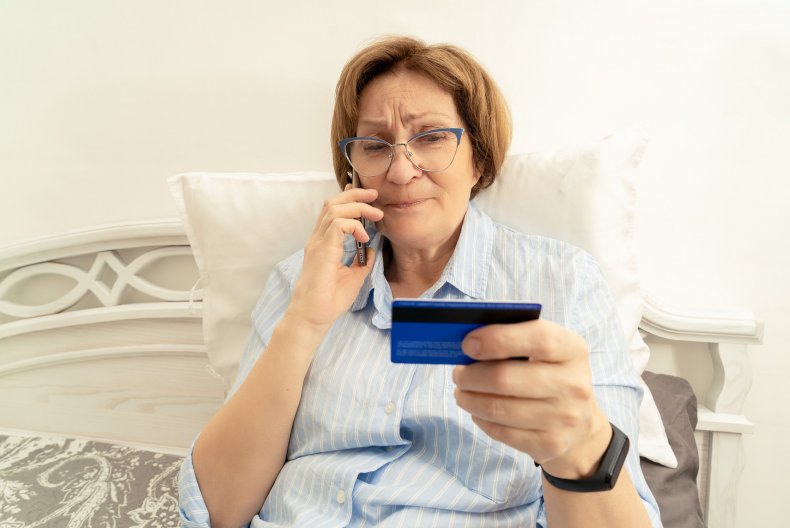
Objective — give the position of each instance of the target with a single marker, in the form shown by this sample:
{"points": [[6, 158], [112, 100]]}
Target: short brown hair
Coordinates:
{"points": [[477, 98]]}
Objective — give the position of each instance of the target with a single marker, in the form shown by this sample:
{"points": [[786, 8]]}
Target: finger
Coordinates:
{"points": [[522, 379], [353, 210], [538, 443], [352, 194], [537, 340], [349, 195], [337, 229], [520, 413]]}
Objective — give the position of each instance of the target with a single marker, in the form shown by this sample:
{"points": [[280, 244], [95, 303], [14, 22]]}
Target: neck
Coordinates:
{"points": [[411, 271]]}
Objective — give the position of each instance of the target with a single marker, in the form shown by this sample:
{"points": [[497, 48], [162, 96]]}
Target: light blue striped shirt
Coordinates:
{"points": [[382, 444]]}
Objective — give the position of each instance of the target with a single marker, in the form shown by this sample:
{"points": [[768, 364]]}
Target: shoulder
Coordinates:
{"points": [[543, 269], [531, 249], [291, 266], [279, 284]]}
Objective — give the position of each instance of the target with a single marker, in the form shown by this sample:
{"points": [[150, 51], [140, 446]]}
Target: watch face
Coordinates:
{"points": [[606, 477], [621, 452]]}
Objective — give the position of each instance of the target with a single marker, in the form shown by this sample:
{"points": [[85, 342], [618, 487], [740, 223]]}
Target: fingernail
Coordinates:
{"points": [[471, 346]]}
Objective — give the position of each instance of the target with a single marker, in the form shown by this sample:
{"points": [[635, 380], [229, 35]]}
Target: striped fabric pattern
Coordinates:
{"points": [[382, 444]]}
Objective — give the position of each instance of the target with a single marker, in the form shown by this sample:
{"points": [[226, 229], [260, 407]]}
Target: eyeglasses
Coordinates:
{"points": [[430, 151]]}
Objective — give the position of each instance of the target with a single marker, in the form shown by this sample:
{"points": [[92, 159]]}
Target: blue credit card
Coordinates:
{"points": [[429, 331]]}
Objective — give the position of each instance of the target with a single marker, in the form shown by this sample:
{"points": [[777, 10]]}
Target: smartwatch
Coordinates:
{"points": [[606, 477]]}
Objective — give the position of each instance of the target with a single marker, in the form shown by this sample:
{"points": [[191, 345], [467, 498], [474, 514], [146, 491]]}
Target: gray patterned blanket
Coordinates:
{"points": [[52, 482]]}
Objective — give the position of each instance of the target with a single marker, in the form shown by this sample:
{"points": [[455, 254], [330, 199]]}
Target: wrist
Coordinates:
{"points": [[296, 318], [299, 333], [609, 468], [584, 459]]}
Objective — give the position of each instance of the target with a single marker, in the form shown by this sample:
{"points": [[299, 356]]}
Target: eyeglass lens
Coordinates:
{"points": [[433, 151]]}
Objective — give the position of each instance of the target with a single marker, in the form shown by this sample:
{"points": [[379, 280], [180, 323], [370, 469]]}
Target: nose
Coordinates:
{"points": [[402, 170]]}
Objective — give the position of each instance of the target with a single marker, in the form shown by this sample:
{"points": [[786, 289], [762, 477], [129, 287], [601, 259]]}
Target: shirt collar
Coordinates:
{"points": [[467, 269]]}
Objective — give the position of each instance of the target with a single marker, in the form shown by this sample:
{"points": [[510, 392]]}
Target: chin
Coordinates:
{"points": [[416, 235]]}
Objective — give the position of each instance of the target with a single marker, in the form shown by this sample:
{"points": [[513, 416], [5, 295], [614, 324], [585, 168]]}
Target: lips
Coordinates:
{"points": [[405, 204]]}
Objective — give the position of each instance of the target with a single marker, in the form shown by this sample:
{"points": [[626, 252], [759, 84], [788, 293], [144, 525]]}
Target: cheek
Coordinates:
{"points": [[468, 181], [471, 172]]}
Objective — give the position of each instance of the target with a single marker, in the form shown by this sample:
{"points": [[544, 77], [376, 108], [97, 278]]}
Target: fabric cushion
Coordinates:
{"points": [[240, 225], [56, 481], [676, 489]]}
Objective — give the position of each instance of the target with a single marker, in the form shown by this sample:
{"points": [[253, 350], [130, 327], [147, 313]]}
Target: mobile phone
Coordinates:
{"points": [[362, 247], [428, 331]]}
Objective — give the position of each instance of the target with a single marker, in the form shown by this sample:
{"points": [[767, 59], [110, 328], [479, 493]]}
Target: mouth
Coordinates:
{"points": [[406, 204]]}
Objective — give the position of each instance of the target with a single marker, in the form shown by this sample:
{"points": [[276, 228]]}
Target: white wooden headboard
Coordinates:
{"points": [[721, 422], [101, 337]]}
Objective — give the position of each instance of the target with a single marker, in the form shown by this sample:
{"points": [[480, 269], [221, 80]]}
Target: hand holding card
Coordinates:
{"points": [[430, 331]]}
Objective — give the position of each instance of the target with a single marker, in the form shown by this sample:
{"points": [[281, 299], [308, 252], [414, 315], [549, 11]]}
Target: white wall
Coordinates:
{"points": [[101, 101]]}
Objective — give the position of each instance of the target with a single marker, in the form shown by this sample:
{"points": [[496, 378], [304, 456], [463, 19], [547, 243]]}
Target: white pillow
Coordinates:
{"points": [[240, 225]]}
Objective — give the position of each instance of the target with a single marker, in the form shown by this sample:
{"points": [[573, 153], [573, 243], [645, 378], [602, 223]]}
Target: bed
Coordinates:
{"points": [[109, 340]]}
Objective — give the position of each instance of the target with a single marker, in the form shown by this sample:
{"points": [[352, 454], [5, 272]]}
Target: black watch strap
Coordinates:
{"points": [[606, 477]]}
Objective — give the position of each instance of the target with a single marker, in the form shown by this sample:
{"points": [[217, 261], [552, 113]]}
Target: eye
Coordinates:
{"points": [[374, 147], [433, 138]]}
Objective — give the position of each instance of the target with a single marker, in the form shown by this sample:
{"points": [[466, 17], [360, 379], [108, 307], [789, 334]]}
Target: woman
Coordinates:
{"points": [[322, 430]]}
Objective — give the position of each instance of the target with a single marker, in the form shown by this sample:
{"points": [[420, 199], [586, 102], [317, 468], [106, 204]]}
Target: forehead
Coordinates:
{"points": [[405, 95]]}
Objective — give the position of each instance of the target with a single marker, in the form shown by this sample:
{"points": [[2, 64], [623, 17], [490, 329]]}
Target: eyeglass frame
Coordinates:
{"points": [[344, 142]]}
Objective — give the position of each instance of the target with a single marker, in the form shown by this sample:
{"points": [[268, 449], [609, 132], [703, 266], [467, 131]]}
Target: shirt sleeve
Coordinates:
{"points": [[270, 308], [593, 315]]}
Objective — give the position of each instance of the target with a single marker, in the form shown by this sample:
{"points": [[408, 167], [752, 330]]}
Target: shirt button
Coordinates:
{"points": [[389, 408], [341, 496]]}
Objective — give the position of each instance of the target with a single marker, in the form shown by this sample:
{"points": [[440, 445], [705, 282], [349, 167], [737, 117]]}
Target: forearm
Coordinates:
{"points": [[242, 449], [619, 507]]}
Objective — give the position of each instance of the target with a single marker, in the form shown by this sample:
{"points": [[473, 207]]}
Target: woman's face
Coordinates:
{"points": [[422, 210]]}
